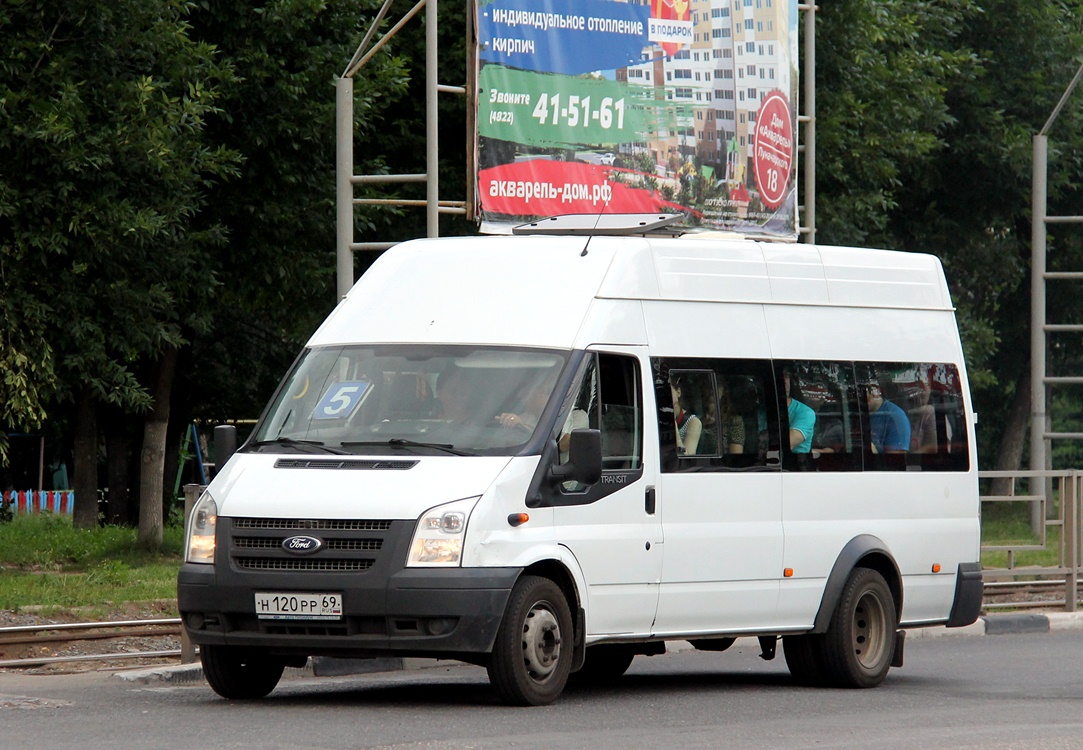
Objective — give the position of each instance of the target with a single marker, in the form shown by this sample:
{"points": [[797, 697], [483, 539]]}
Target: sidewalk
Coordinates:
{"points": [[1005, 624]]}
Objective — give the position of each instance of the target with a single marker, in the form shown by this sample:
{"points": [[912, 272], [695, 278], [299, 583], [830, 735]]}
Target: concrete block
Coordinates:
{"points": [[1015, 624]]}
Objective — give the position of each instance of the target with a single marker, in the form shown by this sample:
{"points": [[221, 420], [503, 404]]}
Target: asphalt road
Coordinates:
{"points": [[1023, 692]]}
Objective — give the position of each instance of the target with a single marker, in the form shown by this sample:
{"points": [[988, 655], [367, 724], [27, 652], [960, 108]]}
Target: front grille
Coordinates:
{"points": [[275, 542], [250, 563], [349, 545], [292, 524]]}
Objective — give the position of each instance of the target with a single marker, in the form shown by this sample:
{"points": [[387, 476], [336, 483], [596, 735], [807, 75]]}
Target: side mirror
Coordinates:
{"points": [[225, 445], [584, 459]]}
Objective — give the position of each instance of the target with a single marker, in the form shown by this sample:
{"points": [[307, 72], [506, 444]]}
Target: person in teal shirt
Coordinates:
{"points": [[802, 421]]}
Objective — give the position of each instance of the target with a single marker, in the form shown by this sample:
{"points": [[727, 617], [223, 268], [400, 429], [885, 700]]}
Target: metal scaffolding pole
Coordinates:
{"points": [[432, 128], [808, 220], [1040, 429], [345, 179], [343, 184]]}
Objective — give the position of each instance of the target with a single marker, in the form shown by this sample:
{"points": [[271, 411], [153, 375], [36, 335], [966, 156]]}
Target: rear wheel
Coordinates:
{"points": [[860, 640], [532, 656], [605, 663], [240, 673]]}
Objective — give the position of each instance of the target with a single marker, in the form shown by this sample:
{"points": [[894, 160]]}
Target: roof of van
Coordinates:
{"points": [[537, 290]]}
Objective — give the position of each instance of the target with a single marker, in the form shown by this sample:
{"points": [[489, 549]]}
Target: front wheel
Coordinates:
{"points": [[240, 673], [532, 656], [860, 640]]}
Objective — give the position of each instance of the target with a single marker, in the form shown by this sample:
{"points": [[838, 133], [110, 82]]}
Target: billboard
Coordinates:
{"points": [[604, 106]]}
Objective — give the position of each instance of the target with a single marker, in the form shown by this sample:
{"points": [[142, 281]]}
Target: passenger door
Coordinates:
{"points": [[612, 527], [720, 499]]}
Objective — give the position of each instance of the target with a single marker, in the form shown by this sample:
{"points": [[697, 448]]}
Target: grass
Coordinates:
{"points": [[46, 563], [1005, 524]]}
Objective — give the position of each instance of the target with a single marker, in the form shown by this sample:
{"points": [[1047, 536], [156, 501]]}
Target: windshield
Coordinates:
{"points": [[411, 399]]}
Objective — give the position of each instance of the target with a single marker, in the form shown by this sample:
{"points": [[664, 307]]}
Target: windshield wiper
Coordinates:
{"points": [[404, 443], [312, 446]]}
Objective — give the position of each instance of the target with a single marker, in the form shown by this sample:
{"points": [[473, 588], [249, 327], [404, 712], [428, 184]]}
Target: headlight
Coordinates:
{"points": [[438, 540], [199, 541]]}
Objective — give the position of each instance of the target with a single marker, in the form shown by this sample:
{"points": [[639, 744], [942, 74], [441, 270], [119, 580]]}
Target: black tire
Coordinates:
{"points": [[860, 639], [240, 673], [532, 656], [605, 664], [804, 658]]}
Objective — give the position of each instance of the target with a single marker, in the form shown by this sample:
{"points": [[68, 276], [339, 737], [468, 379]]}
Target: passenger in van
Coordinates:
{"points": [[689, 426], [923, 421], [533, 399], [732, 435], [802, 419], [453, 394], [888, 423], [730, 427]]}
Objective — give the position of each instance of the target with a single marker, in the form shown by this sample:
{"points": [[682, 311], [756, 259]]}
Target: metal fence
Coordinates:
{"points": [[1032, 521]]}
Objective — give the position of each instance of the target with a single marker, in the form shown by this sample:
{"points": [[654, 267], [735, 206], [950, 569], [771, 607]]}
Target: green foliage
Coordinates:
{"points": [[883, 70], [925, 116], [27, 378], [103, 104], [279, 115]]}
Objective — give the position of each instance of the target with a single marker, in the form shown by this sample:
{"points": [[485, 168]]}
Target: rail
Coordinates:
{"points": [[54, 633]]}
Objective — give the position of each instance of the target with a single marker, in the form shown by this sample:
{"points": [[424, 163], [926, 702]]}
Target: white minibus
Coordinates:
{"points": [[548, 454]]}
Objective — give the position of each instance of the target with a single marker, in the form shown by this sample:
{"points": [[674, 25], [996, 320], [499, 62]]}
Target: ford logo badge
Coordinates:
{"points": [[301, 545]]}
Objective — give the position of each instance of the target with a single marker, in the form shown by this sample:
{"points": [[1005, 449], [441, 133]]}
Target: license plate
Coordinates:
{"points": [[294, 606]]}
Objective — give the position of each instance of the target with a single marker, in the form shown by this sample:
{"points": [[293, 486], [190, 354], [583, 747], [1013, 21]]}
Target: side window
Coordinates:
{"points": [[872, 416], [822, 429], [883, 387], [621, 412], [932, 396], [715, 414], [609, 398]]}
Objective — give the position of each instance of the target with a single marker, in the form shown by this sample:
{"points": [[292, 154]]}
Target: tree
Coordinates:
{"points": [[104, 166], [130, 121], [925, 116], [279, 266]]}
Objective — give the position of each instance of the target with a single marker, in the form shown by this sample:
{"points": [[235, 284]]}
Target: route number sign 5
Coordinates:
{"points": [[341, 399]]}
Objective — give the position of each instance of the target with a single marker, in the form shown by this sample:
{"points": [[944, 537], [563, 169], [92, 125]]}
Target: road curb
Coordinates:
{"points": [[321, 666], [317, 666]]}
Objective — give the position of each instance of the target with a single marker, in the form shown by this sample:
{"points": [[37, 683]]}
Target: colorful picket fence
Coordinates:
{"points": [[40, 501]]}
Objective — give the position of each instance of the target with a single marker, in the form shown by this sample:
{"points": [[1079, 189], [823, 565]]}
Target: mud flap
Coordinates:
{"points": [[900, 642], [579, 652]]}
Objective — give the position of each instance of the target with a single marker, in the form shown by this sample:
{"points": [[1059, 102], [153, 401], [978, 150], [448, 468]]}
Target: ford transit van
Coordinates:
{"points": [[548, 455]]}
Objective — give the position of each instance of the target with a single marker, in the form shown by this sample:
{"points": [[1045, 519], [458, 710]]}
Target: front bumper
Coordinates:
{"points": [[388, 610]]}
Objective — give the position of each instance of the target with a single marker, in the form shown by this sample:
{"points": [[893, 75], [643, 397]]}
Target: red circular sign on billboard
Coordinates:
{"points": [[773, 149]]}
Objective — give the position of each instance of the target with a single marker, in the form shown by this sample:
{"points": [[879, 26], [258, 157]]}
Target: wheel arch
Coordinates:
{"points": [[863, 551], [557, 571], [567, 575]]}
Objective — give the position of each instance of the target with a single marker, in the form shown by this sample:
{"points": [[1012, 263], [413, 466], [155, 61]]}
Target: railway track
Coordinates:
{"points": [[999, 595], [58, 637]]}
